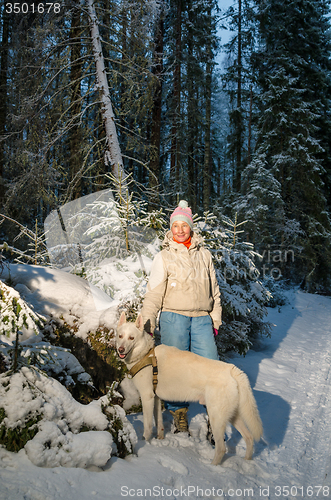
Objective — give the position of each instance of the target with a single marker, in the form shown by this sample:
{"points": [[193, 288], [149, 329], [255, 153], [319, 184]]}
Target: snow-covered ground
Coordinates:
{"points": [[290, 374]]}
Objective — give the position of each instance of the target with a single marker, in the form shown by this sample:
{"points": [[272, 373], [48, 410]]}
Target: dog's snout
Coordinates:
{"points": [[121, 349]]}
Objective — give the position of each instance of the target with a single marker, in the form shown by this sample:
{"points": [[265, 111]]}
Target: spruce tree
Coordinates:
{"points": [[191, 40], [243, 295], [238, 80], [289, 123], [260, 203]]}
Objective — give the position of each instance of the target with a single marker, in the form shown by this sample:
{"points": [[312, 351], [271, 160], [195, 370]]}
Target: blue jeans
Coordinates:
{"points": [[187, 334]]}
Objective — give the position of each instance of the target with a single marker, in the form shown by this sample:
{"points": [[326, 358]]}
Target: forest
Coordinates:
{"points": [[111, 113], [94, 92]]}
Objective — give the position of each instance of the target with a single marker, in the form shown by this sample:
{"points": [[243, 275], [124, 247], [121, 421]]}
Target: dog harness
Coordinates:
{"points": [[149, 359]]}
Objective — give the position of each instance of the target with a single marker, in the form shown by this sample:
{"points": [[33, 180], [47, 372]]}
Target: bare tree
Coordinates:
{"points": [[113, 156]]}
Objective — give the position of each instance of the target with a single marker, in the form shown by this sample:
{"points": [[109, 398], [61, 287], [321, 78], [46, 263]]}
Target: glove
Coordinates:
{"points": [[149, 328]]}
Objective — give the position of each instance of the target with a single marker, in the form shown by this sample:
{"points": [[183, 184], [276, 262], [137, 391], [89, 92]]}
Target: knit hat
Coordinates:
{"points": [[182, 213]]}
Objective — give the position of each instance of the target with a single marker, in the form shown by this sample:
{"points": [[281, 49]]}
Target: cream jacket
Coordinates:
{"points": [[182, 281]]}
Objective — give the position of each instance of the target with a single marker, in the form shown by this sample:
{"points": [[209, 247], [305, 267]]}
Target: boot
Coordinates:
{"points": [[180, 420], [210, 436]]}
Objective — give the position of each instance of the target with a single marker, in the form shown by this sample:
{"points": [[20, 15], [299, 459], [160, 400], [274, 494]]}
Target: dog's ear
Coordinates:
{"points": [[139, 322], [122, 319]]}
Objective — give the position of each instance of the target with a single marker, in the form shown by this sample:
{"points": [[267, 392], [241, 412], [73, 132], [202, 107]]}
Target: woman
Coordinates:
{"points": [[183, 286]]}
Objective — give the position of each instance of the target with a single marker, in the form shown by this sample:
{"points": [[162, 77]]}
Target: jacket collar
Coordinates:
{"points": [[168, 242]]}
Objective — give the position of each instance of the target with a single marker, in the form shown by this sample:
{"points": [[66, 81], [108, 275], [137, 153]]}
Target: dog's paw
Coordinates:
{"points": [[160, 434]]}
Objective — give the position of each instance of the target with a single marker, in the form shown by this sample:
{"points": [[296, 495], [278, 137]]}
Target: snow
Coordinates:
{"points": [[59, 442], [55, 293], [290, 374]]}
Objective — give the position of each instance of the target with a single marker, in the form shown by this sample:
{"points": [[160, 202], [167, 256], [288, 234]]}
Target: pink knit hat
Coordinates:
{"points": [[182, 213]]}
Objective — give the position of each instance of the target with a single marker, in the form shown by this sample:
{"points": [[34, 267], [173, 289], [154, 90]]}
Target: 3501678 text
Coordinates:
{"points": [[301, 491], [32, 8]]}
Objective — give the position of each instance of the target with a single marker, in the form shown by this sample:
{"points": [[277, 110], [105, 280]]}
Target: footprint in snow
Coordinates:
{"points": [[246, 467], [171, 464], [7, 462]]}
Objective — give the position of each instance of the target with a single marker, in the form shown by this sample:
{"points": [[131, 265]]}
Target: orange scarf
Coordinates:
{"points": [[187, 243]]}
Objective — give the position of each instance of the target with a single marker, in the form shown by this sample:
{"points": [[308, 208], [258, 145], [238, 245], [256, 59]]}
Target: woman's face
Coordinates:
{"points": [[181, 231]]}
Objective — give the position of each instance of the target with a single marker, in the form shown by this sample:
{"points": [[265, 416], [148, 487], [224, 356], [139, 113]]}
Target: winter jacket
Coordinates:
{"points": [[182, 281]]}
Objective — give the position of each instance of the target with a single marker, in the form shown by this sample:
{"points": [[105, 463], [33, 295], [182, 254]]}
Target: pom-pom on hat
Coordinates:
{"points": [[182, 213]]}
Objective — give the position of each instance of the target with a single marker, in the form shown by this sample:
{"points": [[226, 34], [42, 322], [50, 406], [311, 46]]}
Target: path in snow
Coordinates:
{"points": [[290, 375], [297, 373]]}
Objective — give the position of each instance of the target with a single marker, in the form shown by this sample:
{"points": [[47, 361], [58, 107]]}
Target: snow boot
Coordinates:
{"points": [[180, 420], [210, 436]]}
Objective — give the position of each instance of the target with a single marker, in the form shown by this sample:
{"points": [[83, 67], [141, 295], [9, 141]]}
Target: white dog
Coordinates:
{"points": [[185, 376]]}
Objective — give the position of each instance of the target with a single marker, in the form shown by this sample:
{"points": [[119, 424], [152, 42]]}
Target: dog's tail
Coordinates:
{"points": [[247, 405]]}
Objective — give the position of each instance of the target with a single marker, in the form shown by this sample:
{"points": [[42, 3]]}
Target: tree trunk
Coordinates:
{"points": [[191, 119], [113, 156], [3, 97], [157, 108], [239, 98], [207, 155], [176, 104], [75, 138], [125, 51], [249, 145]]}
